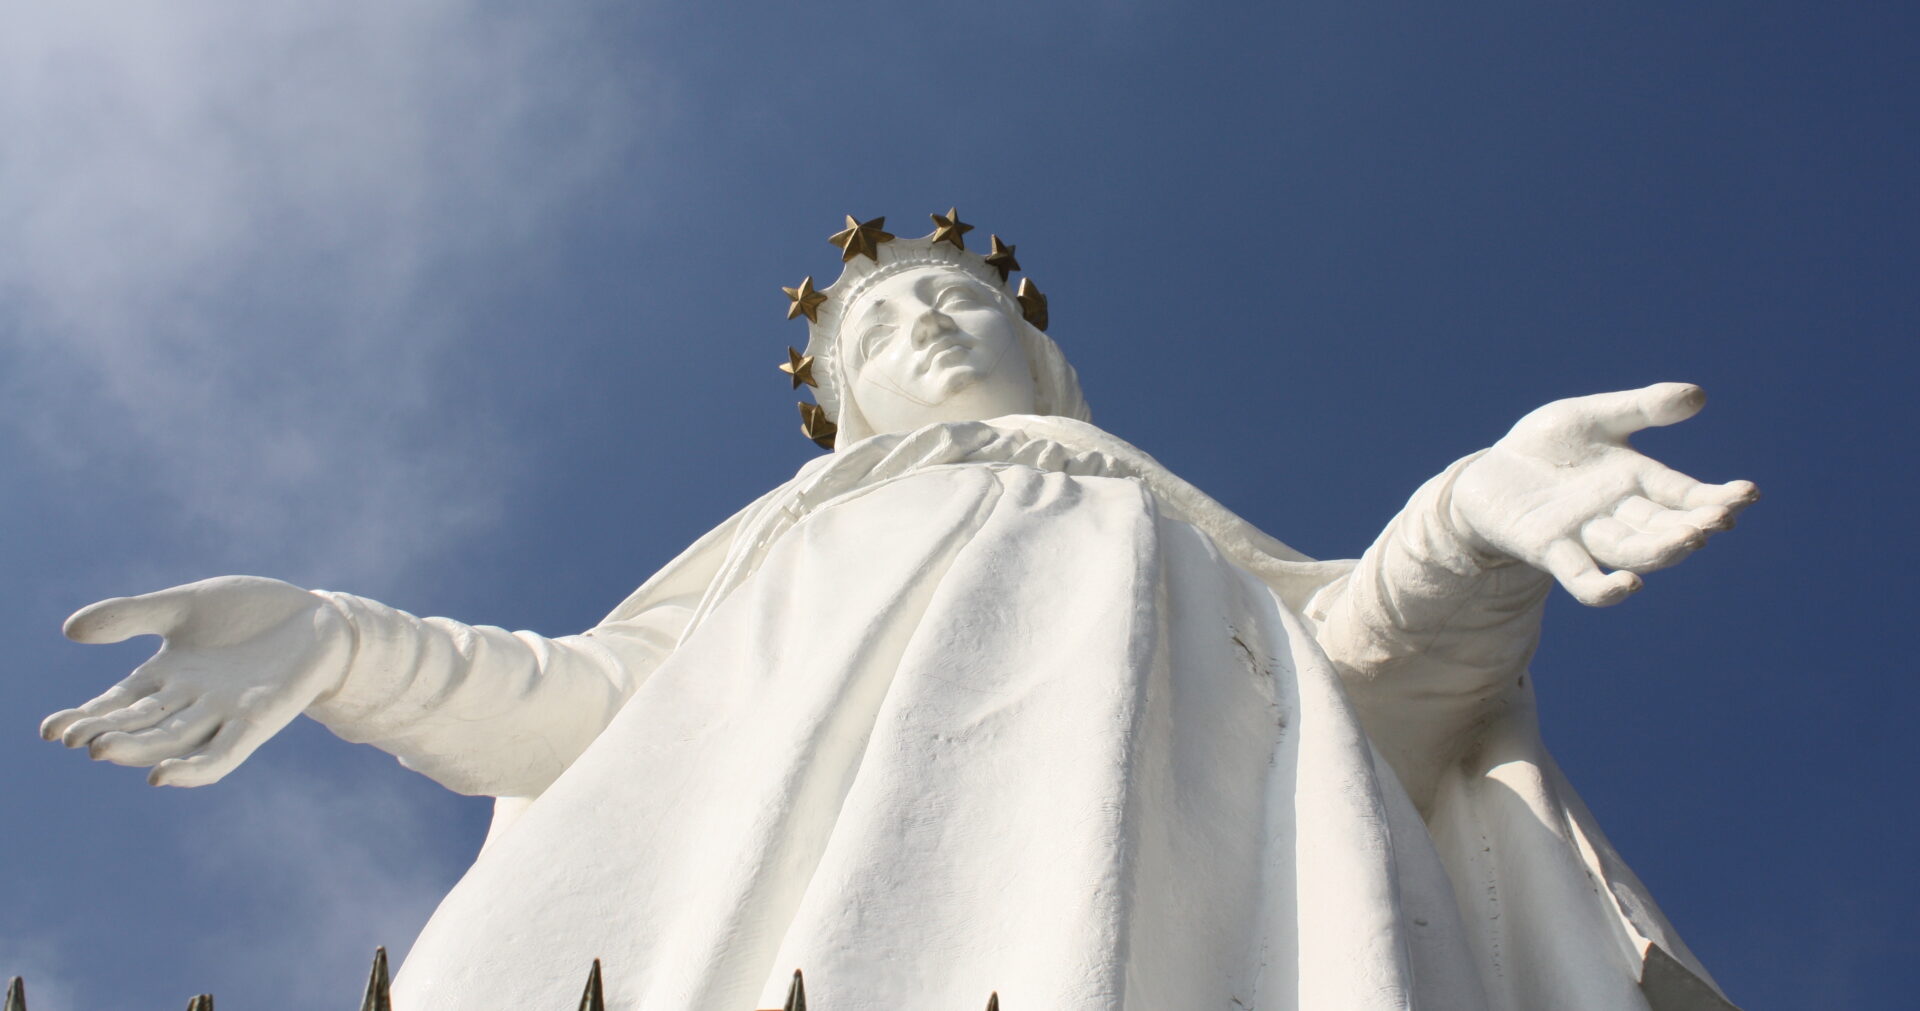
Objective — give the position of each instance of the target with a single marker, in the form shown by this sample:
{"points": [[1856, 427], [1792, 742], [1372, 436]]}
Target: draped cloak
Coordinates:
{"points": [[1008, 707]]}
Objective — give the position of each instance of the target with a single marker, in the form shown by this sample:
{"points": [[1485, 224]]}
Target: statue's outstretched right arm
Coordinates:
{"points": [[1432, 630], [479, 709]]}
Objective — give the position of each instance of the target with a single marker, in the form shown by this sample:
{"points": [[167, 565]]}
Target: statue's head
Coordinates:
{"points": [[918, 331]]}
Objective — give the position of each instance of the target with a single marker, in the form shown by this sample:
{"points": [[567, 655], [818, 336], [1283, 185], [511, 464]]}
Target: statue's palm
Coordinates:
{"points": [[241, 657], [1565, 493]]}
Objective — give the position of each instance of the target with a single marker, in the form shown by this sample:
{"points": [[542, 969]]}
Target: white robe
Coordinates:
{"points": [[1007, 707]]}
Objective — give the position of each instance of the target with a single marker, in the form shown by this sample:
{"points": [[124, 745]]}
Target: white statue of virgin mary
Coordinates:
{"points": [[987, 699]]}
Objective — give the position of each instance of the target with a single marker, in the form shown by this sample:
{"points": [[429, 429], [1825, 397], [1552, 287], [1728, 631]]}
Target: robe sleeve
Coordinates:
{"points": [[1431, 638], [482, 710], [488, 712]]}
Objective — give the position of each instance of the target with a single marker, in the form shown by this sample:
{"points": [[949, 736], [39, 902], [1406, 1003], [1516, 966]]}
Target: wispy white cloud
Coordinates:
{"points": [[227, 227], [329, 871]]}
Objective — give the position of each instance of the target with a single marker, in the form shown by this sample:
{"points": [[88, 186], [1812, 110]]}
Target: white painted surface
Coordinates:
{"points": [[999, 705]]}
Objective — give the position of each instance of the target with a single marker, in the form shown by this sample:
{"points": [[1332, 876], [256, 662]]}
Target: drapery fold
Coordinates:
{"points": [[994, 728], [977, 710]]}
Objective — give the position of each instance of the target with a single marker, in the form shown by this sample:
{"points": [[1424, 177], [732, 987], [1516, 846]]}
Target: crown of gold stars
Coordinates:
{"points": [[870, 253]]}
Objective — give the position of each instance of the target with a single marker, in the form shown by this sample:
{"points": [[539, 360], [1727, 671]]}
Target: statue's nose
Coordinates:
{"points": [[930, 325]]}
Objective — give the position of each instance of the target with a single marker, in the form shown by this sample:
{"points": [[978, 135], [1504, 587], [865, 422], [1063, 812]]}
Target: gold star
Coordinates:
{"points": [[1001, 258], [800, 367], [1033, 304], [950, 228], [815, 425], [860, 239], [806, 301]]}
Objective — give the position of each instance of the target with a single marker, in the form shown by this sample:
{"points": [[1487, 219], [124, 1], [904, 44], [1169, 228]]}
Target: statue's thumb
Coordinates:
{"points": [[122, 618]]}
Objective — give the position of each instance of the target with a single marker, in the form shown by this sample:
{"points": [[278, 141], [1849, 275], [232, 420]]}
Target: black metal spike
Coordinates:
{"points": [[993, 1001], [16, 994], [796, 994], [379, 996], [594, 999], [204, 1002]]}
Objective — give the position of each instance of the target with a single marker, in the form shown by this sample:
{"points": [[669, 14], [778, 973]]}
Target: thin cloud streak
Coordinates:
{"points": [[230, 227], [331, 871]]}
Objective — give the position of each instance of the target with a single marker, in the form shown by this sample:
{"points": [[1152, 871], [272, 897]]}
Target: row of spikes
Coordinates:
{"points": [[864, 239], [378, 996]]}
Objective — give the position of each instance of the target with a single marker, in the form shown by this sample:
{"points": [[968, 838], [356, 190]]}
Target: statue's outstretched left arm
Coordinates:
{"points": [[1434, 627], [479, 709]]}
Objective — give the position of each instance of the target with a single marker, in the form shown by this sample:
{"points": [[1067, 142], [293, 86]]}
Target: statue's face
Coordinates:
{"points": [[935, 344]]}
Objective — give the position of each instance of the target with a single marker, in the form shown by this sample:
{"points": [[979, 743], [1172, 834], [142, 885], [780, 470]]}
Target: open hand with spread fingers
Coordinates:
{"points": [[1565, 493], [240, 657]]}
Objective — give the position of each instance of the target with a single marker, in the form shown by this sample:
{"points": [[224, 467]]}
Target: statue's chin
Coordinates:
{"points": [[972, 395], [950, 383], [964, 392]]}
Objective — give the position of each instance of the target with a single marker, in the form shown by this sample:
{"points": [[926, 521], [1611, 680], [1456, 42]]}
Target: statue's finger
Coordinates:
{"points": [[1707, 519], [229, 746], [1604, 536], [55, 727], [1666, 486], [119, 618], [1673, 490], [1732, 496], [1615, 544], [1570, 564], [185, 731], [138, 715], [1641, 512], [1625, 412]]}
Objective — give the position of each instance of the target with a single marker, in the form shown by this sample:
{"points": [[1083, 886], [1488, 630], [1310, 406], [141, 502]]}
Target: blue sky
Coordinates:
{"points": [[473, 308]]}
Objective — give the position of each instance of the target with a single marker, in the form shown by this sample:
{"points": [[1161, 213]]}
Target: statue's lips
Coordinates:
{"points": [[946, 353]]}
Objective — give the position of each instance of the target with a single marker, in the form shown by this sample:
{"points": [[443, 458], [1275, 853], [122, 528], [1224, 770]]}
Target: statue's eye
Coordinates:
{"points": [[873, 339], [958, 297]]}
